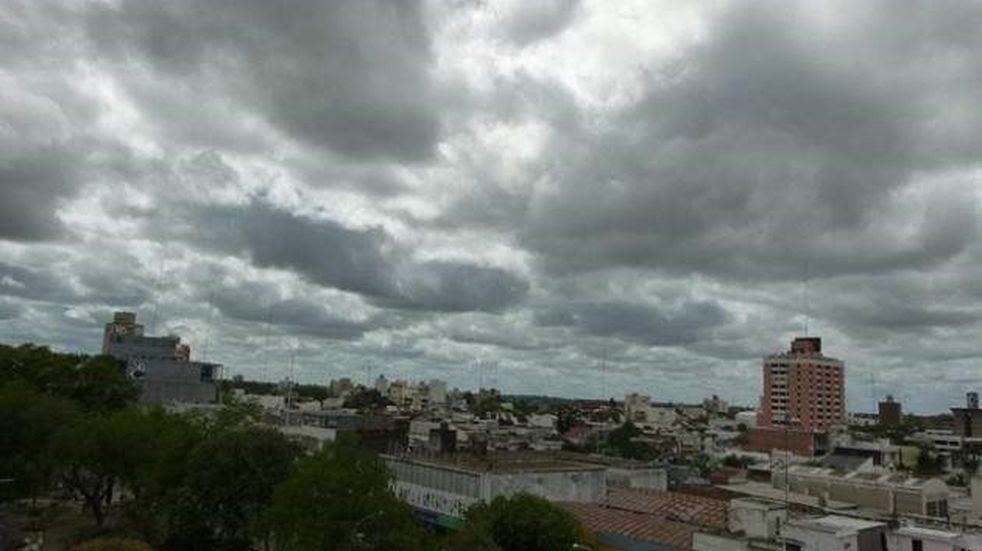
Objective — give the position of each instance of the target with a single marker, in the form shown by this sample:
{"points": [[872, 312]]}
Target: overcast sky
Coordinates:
{"points": [[579, 198]]}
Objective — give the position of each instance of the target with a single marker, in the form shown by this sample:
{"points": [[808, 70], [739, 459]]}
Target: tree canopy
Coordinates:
{"points": [[339, 500], [521, 522]]}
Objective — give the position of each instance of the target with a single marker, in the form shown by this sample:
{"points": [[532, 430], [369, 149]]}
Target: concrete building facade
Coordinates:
{"points": [[804, 388], [161, 365], [890, 493], [443, 487], [834, 532], [889, 412]]}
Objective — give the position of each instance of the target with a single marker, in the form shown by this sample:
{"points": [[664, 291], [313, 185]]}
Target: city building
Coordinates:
{"points": [[639, 410], [794, 440], [889, 412], [835, 532], [803, 388], [891, 493], [715, 406], [916, 538], [161, 365], [968, 420], [443, 486], [622, 473]]}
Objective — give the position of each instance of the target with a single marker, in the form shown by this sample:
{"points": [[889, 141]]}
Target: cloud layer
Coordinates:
{"points": [[590, 197]]}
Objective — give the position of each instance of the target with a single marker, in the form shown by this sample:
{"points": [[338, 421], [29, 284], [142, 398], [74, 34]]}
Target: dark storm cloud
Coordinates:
{"points": [[755, 153], [32, 185], [260, 303], [680, 325], [18, 281], [324, 166], [114, 281], [351, 76], [369, 262], [10, 309]]}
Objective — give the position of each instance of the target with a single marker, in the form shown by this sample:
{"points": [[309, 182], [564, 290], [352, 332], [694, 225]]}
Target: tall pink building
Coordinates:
{"points": [[803, 386]]}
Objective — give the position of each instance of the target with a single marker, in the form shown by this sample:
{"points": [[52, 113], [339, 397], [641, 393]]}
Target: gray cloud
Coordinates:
{"points": [[349, 76], [531, 22], [368, 262], [577, 195], [754, 154], [257, 303], [683, 324]]}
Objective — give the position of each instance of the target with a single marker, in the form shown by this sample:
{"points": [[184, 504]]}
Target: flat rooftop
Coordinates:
{"points": [[498, 462], [927, 533], [836, 524]]}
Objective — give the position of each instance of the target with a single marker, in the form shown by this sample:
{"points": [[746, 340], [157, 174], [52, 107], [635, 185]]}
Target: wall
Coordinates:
{"points": [[903, 543], [166, 381], [766, 440], [754, 519], [813, 540], [585, 486], [645, 479], [709, 542]]}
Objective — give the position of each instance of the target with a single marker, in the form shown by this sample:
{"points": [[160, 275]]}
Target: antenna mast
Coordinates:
{"points": [[805, 305]]}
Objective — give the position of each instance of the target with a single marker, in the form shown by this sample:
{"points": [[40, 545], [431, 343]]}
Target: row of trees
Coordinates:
{"points": [[219, 482]]}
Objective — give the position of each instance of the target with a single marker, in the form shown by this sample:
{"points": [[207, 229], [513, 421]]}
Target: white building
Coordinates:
{"points": [[915, 538], [639, 410], [834, 533], [443, 488], [437, 391]]}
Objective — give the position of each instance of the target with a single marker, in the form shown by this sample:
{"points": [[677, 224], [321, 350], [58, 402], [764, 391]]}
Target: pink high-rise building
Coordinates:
{"points": [[804, 388]]}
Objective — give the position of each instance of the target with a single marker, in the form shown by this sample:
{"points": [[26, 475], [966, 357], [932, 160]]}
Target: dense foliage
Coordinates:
{"points": [[338, 500], [522, 522]]}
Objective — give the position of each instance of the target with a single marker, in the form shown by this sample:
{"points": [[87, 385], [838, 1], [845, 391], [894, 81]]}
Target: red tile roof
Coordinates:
{"points": [[700, 511], [639, 526]]}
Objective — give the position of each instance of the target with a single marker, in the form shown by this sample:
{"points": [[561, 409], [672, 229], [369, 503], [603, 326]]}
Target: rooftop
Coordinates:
{"points": [[927, 533], [640, 526], [836, 524], [697, 510], [499, 462]]}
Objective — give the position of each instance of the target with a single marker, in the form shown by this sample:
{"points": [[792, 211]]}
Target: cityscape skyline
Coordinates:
{"points": [[555, 197]]}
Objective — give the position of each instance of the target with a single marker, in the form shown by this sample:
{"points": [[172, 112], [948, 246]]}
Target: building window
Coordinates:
{"points": [[916, 545]]}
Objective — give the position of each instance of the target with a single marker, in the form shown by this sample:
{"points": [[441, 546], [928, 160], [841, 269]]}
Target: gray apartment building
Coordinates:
{"points": [[161, 365]]}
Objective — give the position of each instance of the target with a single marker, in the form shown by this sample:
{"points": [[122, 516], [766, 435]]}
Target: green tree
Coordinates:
{"points": [[228, 482], [96, 383], [98, 451], [28, 422], [100, 384], [621, 442], [523, 522], [928, 464], [339, 500]]}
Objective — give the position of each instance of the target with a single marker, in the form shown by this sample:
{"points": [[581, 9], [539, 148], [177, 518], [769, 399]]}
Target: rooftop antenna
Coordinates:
{"points": [[872, 390], [269, 325], [211, 314], [156, 296], [603, 386], [289, 387], [804, 291]]}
